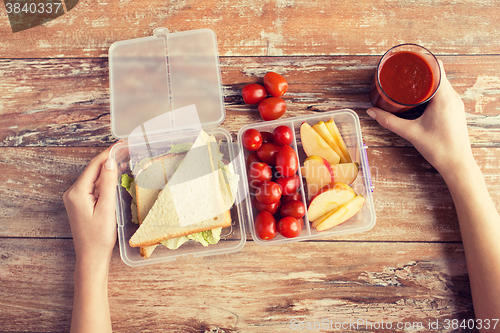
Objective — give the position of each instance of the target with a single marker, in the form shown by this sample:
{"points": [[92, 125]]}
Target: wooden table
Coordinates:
{"points": [[410, 268]]}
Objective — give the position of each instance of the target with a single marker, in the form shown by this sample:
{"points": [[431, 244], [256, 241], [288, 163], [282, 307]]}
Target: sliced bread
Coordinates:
{"points": [[191, 201], [148, 183]]}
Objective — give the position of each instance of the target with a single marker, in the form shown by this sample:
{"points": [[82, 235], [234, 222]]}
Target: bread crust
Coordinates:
{"points": [[148, 250], [223, 224]]}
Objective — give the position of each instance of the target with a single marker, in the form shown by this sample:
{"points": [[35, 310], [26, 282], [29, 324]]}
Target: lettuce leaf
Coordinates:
{"points": [[126, 182], [174, 243], [180, 148], [205, 238]]}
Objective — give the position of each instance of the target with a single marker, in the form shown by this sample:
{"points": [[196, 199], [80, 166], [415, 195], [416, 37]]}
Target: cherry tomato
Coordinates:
{"points": [[291, 197], [289, 185], [253, 93], [293, 208], [252, 140], [287, 161], [252, 158], [265, 225], [290, 226], [258, 173], [272, 108], [271, 208], [267, 153], [283, 135], [275, 84], [268, 193], [267, 137]]}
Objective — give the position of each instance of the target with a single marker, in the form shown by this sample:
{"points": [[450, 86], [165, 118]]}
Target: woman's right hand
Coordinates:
{"points": [[440, 134]]}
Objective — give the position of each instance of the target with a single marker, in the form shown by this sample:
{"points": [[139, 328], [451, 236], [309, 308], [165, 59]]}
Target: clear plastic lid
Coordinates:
{"points": [[152, 76], [164, 90]]}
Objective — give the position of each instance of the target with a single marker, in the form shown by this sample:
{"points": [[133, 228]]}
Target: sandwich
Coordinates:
{"points": [[148, 182], [182, 196]]}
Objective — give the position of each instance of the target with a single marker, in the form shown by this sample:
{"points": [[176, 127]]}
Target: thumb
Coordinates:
{"points": [[108, 181], [400, 126]]}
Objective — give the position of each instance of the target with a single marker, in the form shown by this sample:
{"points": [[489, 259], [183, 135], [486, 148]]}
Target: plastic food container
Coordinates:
{"points": [[348, 124], [167, 87]]}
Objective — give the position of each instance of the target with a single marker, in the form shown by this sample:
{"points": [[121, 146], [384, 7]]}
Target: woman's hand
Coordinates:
{"points": [[90, 204], [440, 134]]}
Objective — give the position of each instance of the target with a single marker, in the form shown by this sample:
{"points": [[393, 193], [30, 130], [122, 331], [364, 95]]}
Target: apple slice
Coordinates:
{"points": [[328, 198], [341, 214], [320, 127], [345, 172], [314, 144], [334, 131], [318, 173]]}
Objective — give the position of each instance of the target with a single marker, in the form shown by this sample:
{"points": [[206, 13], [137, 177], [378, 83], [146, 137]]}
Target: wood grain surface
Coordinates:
{"points": [[410, 268], [266, 28], [53, 102], [254, 290]]}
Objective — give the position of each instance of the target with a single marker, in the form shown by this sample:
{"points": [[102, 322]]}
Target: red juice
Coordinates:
{"points": [[405, 78]]}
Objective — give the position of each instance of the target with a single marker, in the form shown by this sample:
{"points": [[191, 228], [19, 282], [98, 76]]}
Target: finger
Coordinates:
{"points": [[444, 83], [400, 126], [91, 173], [107, 186], [441, 69], [443, 93]]}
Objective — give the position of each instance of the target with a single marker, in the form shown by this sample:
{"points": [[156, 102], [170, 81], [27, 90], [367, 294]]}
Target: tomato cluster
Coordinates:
{"points": [[270, 108], [272, 175]]}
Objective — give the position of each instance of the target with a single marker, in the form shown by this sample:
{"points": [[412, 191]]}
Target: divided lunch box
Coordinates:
{"points": [[163, 90]]}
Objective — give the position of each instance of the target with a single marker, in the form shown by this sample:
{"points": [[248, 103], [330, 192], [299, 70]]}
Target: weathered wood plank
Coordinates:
{"points": [[54, 102], [254, 290], [33, 180], [66, 102], [266, 28]]}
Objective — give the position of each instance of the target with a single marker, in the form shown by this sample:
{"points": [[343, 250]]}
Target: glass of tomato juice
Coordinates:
{"points": [[407, 76]]}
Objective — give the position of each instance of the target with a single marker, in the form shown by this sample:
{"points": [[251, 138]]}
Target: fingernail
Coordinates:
{"points": [[110, 164], [371, 113]]}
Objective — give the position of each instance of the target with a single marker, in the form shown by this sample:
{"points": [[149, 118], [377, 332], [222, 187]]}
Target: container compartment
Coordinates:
{"points": [[349, 127], [232, 238]]}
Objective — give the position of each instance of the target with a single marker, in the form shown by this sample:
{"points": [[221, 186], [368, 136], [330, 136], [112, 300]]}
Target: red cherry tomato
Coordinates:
{"points": [[252, 158], [271, 208], [252, 140], [267, 137], [267, 153], [283, 135], [290, 226], [268, 193], [275, 84], [272, 108], [293, 208], [287, 161], [265, 225], [291, 197], [253, 93], [258, 173], [289, 185]]}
